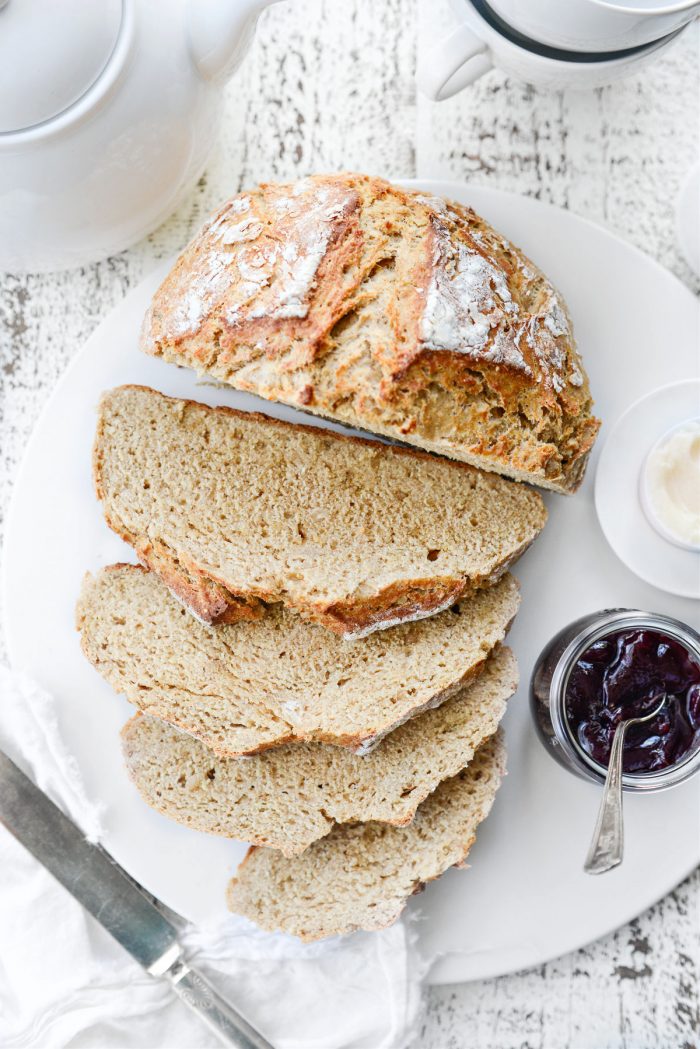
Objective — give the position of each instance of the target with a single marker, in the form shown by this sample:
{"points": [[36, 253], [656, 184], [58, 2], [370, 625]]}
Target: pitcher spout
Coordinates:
{"points": [[220, 32]]}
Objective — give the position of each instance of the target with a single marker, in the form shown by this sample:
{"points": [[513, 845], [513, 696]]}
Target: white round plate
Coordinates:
{"points": [[525, 898], [627, 528]]}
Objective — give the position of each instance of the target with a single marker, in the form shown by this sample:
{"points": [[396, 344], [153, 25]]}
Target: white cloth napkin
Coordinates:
{"points": [[65, 982]]}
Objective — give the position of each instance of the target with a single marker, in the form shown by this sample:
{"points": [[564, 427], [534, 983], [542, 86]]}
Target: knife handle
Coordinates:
{"points": [[216, 1012]]}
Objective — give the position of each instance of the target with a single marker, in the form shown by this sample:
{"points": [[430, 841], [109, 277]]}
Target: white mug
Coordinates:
{"points": [[476, 46]]}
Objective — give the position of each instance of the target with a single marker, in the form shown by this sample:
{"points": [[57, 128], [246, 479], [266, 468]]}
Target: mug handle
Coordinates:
{"points": [[453, 63]]}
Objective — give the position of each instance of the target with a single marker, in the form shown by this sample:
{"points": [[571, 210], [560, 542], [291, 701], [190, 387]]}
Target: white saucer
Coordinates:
{"points": [[635, 541]]}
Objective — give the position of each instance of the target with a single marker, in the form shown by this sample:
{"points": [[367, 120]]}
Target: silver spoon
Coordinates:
{"points": [[608, 837]]}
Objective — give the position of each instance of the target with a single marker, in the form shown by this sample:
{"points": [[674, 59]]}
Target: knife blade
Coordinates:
{"points": [[102, 887]]}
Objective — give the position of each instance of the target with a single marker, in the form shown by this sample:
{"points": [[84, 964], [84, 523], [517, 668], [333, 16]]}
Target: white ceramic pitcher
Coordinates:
{"points": [[108, 111]]}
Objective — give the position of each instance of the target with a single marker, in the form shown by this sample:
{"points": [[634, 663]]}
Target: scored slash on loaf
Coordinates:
{"points": [[391, 311], [360, 877], [243, 687], [288, 797], [232, 508]]}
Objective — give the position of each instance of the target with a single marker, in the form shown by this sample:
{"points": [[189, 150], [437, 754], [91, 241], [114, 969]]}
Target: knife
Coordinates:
{"points": [[103, 888]]}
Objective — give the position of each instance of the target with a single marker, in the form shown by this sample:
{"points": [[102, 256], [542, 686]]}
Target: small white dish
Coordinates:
{"points": [[640, 545], [645, 491]]}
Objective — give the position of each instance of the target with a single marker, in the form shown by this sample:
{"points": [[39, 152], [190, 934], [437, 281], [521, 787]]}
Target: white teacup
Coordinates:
{"points": [[479, 44], [596, 25]]}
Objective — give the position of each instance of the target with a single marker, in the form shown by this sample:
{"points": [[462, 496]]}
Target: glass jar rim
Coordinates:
{"points": [[612, 621]]}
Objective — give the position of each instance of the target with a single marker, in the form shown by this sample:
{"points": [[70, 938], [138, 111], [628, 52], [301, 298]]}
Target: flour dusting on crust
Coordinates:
{"points": [[244, 255], [310, 214], [470, 308], [210, 279], [466, 300]]}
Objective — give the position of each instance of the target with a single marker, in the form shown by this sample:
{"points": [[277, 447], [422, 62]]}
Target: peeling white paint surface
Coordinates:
{"points": [[329, 86]]}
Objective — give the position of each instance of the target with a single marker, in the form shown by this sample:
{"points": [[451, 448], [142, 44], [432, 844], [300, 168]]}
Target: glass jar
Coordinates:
{"points": [[549, 683]]}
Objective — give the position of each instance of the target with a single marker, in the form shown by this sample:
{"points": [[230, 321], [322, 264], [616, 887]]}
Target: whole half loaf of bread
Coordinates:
{"points": [[360, 877], [391, 311], [243, 687], [231, 508], [288, 797]]}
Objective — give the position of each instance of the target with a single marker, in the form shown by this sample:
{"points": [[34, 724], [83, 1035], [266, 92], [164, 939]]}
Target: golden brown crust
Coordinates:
{"points": [[206, 599], [212, 601], [413, 599], [399, 602], [406, 316]]}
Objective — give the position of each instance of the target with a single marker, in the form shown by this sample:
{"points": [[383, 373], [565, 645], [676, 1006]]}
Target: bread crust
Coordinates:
{"points": [[419, 322], [212, 601]]}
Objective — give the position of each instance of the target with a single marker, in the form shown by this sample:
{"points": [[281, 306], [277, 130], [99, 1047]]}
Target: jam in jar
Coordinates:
{"points": [[613, 665], [624, 675]]}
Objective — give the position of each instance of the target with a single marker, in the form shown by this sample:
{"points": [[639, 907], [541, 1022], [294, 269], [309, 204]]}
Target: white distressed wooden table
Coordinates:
{"points": [[330, 85]]}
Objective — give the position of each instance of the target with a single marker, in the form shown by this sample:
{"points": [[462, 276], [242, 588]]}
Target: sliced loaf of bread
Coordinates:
{"points": [[288, 797], [353, 534], [242, 687], [361, 876]]}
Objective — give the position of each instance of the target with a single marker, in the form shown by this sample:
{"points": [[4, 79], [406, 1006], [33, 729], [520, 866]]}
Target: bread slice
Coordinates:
{"points": [[246, 686], [391, 311], [355, 535], [361, 876], [290, 796]]}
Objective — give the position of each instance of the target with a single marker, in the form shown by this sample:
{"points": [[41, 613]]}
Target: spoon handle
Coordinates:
{"points": [[607, 845]]}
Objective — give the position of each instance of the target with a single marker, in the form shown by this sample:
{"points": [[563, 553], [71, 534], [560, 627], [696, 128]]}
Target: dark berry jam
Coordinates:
{"points": [[624, 675]]}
